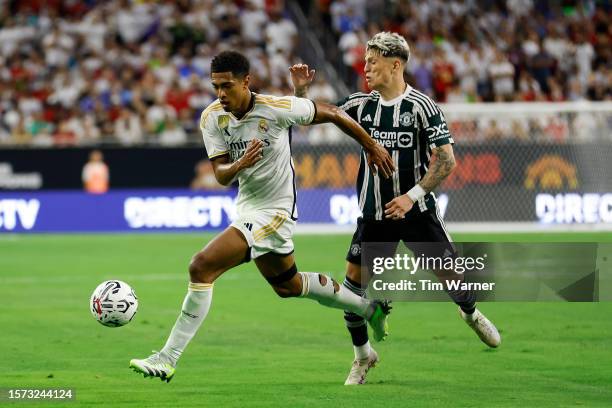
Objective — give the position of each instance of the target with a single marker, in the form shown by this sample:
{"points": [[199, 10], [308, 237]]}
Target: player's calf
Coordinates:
{"points": [[287, 284]]}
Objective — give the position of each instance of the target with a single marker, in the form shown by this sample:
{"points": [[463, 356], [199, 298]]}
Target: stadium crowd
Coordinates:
{"points": [[127, 72], [487, 50], [134, 72]]}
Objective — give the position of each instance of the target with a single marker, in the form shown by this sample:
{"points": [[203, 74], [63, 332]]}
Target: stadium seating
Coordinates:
{"points": [[133, 73]]}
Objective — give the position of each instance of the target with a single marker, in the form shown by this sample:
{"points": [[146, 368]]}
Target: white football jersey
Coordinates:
{"points": [[270, 183]]}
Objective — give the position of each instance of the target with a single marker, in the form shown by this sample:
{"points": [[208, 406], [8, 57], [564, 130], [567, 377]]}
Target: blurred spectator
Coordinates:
{"points": [[5, 136], [20, 134], [456, 95], [253, 20], [158, 115], [39, 128], [95, 174], [584, 53], [64, 135], [443, 73], [529, 88], [134, 20], [127, 127], [321, 90], [421, 70], [58, 47], [281, 34], [173, 134]]}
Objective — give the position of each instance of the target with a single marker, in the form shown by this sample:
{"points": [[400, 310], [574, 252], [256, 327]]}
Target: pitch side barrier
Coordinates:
{"points": [[320, 210]]}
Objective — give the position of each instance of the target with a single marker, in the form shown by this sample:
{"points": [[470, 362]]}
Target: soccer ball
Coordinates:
{"points": [[113, 303]]}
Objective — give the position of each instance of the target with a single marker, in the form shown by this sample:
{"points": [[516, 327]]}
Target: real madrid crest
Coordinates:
{"points": [[223, 121], [406, 119], [263, 126]]}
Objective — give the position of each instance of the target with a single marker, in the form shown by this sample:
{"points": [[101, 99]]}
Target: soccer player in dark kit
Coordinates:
{"points": [[403, 207]]}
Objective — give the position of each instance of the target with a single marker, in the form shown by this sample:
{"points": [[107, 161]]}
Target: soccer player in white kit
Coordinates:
{"points": [[247, 138]]}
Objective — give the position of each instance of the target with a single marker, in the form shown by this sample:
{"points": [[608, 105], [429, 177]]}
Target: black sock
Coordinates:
{"points": [[358, 328], [355, 324], [465, 299]]}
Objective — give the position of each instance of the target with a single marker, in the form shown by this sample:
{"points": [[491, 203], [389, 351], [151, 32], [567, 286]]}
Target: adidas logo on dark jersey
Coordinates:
{"points": [[367, 118]]}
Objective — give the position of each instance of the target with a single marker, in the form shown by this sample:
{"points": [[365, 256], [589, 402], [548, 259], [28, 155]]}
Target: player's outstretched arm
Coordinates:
{"points": [[378, 157], [442, 164], [301, 77], [226, 172]]}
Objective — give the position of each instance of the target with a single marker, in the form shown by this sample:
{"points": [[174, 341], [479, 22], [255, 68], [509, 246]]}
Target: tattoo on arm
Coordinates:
{"points": [[439, 169]]}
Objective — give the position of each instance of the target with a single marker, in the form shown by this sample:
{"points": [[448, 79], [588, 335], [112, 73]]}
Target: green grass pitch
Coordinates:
{"points": [[256, 349]]}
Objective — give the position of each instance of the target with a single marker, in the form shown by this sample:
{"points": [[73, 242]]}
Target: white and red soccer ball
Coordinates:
{"points": [[113, 303]]}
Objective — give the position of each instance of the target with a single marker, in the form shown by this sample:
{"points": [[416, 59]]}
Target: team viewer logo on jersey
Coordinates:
{"points": [[392, 140], [404, 139]]}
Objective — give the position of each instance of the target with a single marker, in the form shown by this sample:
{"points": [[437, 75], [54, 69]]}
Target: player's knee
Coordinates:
{"points": [[201, 268]]}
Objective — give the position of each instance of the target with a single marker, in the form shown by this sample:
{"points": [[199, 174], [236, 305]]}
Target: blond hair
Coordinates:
{"points": [[389, 44]]}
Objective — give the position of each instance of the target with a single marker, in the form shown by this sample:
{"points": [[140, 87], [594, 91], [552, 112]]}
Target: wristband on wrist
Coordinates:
{"points": [[416, 193]]}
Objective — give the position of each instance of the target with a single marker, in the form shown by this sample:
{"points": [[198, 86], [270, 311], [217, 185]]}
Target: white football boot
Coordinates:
{"points": [[360, 369], [153, 366], [483, 327]]}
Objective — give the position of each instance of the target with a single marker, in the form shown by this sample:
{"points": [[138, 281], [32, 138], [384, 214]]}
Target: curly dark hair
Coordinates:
{"points": [[231, 61]]}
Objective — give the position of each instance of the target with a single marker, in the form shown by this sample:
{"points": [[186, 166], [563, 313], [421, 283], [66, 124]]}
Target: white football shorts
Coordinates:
{"points": [[267, 231]]}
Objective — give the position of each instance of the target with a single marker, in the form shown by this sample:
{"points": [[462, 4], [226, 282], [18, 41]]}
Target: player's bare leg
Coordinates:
{"points": [[224, 252], [281, 272]]}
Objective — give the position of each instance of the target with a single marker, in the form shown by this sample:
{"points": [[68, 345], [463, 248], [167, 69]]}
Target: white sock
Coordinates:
{"points": [[194, 311], [327, 295], [362, 352]]}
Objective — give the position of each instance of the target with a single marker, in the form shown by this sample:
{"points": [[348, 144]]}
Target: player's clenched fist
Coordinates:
{"points": [[252, 154], [379, 157]]}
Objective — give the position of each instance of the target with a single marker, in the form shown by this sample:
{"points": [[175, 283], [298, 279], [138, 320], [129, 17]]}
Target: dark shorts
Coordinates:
{"points": [[426, 227]]}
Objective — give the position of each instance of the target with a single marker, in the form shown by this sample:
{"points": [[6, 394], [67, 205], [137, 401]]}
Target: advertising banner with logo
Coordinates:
{"points": [[153, 210], [527, 182]]}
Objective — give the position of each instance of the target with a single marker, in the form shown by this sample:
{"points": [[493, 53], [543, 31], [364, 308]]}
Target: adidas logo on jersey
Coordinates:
{"points": [[367, 118], [248, 225]]}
